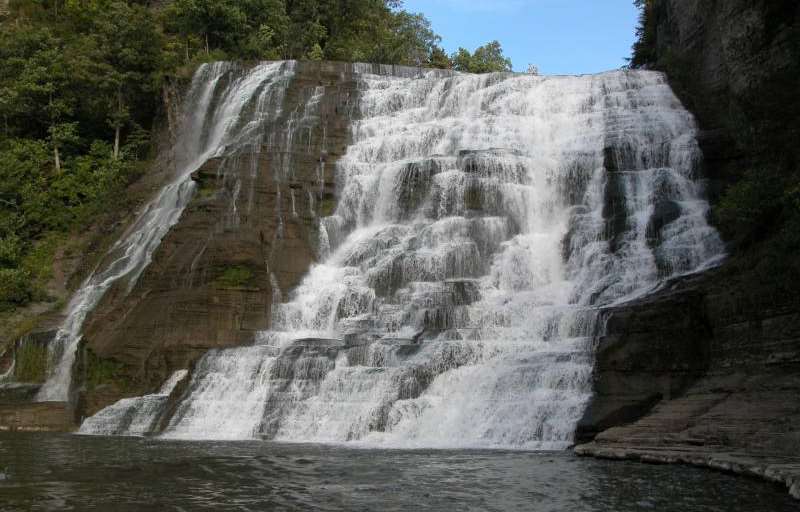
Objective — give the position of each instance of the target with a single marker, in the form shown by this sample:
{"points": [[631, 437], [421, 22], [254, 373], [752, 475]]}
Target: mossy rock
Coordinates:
{"points": [[236, 276], [105, 372], [327, 207], [206, 193], [31, 362]]}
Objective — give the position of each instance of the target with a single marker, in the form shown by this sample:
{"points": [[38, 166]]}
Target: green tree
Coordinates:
{"points": [[412, 40], [438, 58], [219, 22], [81, 83], [129, 59], [488, 58], [644, 46]]}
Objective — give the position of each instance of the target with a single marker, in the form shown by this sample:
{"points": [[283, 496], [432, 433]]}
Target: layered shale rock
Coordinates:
{"points": [[247, 236], [735, 65], [703, 373], [706, 370]]}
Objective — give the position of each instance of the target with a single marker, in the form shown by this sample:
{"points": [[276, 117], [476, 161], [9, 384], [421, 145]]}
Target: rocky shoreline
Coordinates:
{"points": [[693, 374], [706, 371], [779, 470]]}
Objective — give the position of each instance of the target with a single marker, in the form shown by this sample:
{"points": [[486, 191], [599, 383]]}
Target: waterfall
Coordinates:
{"points": [[133, 416], [211, 123], [482, 222]]}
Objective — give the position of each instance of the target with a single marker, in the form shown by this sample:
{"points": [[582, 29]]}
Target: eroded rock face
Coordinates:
{"points": [[653, 350], [735, 65], [705, 373], [706, 370], [247, 236], [712, 364]]}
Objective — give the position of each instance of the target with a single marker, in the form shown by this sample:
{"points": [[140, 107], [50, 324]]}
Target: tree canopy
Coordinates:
{"points": [[488, 58], [81, 83], [644, 46]]}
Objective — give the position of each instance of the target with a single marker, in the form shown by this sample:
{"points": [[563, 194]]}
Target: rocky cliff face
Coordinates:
{"points": [[703, 372], [706, 370], [248, 235], [735, 64]]}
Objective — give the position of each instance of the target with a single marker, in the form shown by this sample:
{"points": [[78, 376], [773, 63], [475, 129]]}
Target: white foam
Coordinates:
{"points": [[478, 230]]}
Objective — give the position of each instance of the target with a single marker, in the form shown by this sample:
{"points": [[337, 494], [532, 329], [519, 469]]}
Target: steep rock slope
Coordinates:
{"points": [[735, 65], [247, 236], [706, 370]]}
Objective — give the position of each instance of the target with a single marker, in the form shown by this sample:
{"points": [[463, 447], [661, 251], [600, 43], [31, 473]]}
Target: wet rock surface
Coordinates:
{"points": [[703, 372], [36, 417], [706, 370], [248, 234], [735, 66]]}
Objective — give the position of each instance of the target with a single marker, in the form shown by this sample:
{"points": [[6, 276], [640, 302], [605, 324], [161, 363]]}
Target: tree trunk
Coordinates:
{"points": [[57, 158], [118, 127], [207, 51], [116, 142]]}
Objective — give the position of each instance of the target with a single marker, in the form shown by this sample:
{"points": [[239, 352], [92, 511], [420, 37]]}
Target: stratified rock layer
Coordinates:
{"points": [[707, 371], [702, 373], [248, 234], [735, 65]]}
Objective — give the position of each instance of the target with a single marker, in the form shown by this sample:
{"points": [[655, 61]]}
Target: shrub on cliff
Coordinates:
{"points": [[760, 216], [15, 288]]}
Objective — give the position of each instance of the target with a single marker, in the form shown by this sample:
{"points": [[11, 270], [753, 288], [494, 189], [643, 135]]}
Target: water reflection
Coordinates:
{"points": [[54, 472]]}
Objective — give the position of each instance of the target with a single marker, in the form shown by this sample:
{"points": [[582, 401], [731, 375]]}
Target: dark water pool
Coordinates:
{"points": [[63, 472]]}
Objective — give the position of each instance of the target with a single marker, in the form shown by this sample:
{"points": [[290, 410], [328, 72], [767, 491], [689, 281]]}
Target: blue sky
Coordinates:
{"points": [[559, 36]]}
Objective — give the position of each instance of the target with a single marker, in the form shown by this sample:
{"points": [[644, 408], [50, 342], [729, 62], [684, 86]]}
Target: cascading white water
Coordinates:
{"points": [[8, 373], [211, 124], [132, 416], [481, 223]]}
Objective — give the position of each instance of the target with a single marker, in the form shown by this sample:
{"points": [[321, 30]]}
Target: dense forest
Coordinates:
{"points": [[81, 85]]}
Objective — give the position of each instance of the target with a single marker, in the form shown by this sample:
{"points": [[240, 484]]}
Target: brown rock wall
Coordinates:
{"points": [[707, 371], [702, 372], [210, 283]]}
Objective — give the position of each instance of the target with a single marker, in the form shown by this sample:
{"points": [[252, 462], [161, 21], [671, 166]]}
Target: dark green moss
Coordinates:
{"points": [[205, 192], [327, 207], [236, 276], [105, 372], [31, 363]]}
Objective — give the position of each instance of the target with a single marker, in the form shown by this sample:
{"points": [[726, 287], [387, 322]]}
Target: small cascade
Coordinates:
{"points": [[214, 122], [8, 364], [243, 379], [133, 416], [482, 223]]}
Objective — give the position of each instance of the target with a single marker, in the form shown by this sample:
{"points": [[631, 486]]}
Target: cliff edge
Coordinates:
{"points": [[706, 371]]}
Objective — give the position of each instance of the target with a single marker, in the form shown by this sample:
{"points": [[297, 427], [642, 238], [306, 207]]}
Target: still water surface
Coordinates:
{"points": [[63, 472]]}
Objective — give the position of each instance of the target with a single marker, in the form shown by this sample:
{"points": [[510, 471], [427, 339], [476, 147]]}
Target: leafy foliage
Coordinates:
{"points": [[761, 205], [104, 372], [488, 58], [347, 30], [81, 83], [31, 362], [644, 47], [76, 90]]}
